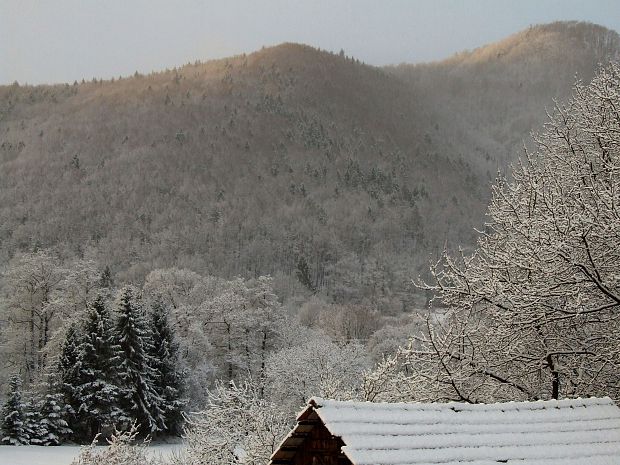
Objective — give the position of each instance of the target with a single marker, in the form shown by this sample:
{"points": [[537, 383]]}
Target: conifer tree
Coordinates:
{"points": [[68, 373], [168, 381], [33, 429], [13, 425], [106, 281], [96, 387], [139, 398], [50, 420]]}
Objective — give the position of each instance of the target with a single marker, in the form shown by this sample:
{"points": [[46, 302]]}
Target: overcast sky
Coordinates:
{"points": [[49, 41]]}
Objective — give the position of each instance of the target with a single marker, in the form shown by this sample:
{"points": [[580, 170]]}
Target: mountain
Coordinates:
{"points": [[500, 92], [330, 175]]}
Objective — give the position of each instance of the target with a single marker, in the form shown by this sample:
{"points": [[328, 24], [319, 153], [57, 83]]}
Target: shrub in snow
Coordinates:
{"points": [[238, 426], [122, 450]]}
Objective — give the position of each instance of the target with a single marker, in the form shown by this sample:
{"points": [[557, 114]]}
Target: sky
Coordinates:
{"points": [[51, 41]]}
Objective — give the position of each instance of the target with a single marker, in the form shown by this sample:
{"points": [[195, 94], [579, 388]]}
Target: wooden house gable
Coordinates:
{"points": [[310, 443]]}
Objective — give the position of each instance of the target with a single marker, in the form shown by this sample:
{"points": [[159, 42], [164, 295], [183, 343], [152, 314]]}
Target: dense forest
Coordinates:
{"points": [[331, 176], [266, 216]]}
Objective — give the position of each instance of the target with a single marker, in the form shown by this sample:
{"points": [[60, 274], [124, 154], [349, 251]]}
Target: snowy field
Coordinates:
{"points": [[63, 455]]}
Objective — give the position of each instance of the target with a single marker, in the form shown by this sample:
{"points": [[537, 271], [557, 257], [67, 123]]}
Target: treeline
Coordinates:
{"points": [[93, 354], [115, 368]]}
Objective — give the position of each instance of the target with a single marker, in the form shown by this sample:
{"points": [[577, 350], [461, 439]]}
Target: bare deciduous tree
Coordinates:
{"points": [[533, 311], [32, 282]]}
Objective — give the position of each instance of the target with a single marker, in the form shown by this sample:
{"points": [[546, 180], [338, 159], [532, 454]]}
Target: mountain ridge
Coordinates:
{"points": [[598, 40], [286, 161]]}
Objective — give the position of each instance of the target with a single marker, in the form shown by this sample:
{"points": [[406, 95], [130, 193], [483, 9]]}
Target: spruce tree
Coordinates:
{"points": [[96, 386], [50, 420], [33, 429], [139, 398], [14, 416], [168, 381], [69, 370]]}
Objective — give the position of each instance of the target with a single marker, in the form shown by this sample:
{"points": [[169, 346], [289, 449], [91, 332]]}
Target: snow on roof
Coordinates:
{"points": [[564, 432]]}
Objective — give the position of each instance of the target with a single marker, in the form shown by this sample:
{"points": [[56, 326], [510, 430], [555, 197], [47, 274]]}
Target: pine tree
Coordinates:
{"points": [[13, 416], [168, 380], [96, 386], [139, 398]]}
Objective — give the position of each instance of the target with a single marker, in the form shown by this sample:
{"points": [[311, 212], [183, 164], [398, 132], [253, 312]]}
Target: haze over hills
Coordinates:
{"points": [[330, 175], [499, 92]]}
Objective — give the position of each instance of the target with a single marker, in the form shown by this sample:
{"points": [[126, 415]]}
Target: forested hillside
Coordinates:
{"points": [[290, 162], [491, 98], [242, 234], [330, 175]]}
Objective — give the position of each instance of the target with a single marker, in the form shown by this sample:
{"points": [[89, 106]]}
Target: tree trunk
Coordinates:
{"points": [[555, 378]]}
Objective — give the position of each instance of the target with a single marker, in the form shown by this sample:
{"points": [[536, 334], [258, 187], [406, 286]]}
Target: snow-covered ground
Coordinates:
{"points": [[63, 455]]}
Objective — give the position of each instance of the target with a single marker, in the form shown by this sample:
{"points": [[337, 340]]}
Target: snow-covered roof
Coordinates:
{"points": [[564, 432]]}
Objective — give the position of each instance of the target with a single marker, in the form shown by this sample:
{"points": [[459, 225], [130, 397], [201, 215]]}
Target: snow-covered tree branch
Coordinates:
{"points": [[533, 311]]}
